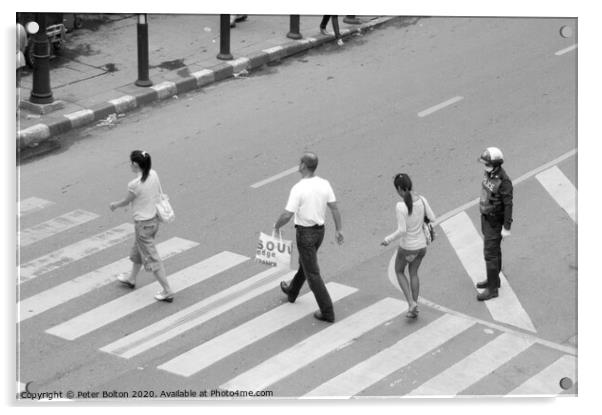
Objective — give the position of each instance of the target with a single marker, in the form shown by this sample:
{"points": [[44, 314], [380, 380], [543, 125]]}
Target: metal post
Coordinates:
{"points": [[294, 27], [41, 92], [142, 29], [224, 44], [351, 19]]}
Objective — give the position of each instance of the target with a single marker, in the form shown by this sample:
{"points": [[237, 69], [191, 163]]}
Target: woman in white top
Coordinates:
{"points": [[412, 246], [143, 194]]}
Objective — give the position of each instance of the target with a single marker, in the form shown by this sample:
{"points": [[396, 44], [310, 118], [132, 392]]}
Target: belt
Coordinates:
{"points": [[310, 227]]}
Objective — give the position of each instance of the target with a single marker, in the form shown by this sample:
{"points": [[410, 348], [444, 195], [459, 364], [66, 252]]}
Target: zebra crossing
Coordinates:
{"points": [[363, 319]]}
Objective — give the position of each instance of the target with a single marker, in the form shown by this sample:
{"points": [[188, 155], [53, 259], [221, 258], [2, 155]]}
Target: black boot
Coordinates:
{"points": [[286, 289], [487, 294], [482, 284]]}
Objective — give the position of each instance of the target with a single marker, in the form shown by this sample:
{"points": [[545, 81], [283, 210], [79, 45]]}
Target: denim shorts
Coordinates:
{"points": [[144, 251]]}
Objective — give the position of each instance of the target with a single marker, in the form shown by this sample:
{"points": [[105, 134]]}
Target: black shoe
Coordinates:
{"points": [[285, 289], [319, 316], [488, 294], [482, 284]]}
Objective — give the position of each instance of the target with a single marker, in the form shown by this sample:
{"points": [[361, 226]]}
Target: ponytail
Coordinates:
{"points": [[403, 182], [407, 198], [143, 160]]}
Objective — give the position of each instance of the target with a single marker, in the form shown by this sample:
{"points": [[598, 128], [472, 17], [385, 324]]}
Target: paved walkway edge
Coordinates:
{"points": [[37, 134]]}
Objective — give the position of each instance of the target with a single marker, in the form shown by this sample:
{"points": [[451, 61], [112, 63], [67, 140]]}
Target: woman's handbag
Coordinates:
{"points": [[164, 210], [427, 226]]}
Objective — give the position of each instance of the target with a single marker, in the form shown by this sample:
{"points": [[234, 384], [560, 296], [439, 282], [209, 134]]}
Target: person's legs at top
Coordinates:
{"points": [[323, 24], [337, 32]]}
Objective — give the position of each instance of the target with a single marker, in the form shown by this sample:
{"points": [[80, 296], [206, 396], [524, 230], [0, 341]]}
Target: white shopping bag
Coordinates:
{"points": [[274, 251]]}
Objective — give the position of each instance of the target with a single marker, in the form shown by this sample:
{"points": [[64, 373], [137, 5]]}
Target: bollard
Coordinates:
{"points": [[351, 19], [224, 43], [294, 32], [40, 91], [142, 29]]}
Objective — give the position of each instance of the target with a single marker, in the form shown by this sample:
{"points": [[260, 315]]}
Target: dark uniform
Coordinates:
{"points": [[496, 211]]}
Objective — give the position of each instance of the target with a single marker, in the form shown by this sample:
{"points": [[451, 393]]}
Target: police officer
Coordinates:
{"points": [[496, 217]]}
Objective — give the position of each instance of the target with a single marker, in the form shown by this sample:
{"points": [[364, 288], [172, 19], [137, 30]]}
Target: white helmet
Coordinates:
{"points": [[492, 156]]}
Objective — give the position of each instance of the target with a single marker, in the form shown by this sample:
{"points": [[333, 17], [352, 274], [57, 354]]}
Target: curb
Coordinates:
{"points": [[35, 135]]}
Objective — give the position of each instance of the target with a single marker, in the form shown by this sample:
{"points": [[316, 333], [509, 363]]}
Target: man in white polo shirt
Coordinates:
{"points": [[307, 202]]}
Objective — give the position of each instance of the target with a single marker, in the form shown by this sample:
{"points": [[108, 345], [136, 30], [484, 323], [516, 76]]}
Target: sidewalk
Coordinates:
{"points": [[94, 76]]}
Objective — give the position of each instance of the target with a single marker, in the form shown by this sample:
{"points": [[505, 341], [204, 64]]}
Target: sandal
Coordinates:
{"points": [[164, 297], [126, 281]]}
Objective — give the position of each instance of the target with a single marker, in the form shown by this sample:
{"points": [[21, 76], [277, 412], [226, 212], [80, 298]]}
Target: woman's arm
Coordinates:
{"points": [[128, 199], [401, 227]]}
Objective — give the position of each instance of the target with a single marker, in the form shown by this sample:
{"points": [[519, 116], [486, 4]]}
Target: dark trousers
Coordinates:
{"points": [[335, 24], [491, 226], [308, 242]]}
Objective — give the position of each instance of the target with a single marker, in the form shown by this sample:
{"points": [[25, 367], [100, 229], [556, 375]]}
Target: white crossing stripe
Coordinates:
{"points": [[474, 367], [547, 382], [275, 177], [52, 227], [75, 252], [302, 354], [561, 189], [143, 297], [389, 360], [468, 245], [196, 314], [32, 204], [566, 50], [437, 107], [252, 331], [60, 294]]}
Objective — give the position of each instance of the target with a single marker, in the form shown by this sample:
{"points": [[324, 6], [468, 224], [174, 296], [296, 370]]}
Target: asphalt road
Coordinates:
{"points": [[368, 111]]}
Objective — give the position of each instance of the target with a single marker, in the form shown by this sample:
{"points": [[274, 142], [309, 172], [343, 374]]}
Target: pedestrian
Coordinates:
{"points": [[412, 246], [307, 201], [335, 26], [143, 193], [237, 18], [496, 218]]}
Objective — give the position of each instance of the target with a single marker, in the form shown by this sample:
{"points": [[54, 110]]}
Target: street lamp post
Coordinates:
{"points": [[142, 29], [294, 32], [224, 42], [40, 91]]}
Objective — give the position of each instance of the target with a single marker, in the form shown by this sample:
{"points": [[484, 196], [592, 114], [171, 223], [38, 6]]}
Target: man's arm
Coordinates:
{"points": [[506, 191], [283, 219], [336, 215]]}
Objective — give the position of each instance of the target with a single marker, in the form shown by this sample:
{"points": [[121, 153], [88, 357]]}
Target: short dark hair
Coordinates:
{"points": [[142, 159], [310, 160]]}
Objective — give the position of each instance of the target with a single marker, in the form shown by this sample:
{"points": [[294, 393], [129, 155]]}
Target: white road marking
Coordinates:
{"points": [[275, 177], [561, 189], [75, 252], [474, 367], [312, 348], [195, 315], [468, 245], [60, 294], [387, 361], [32, 204], [52, 227], [437, 107], [120, 307], [547, 382], [565, 50], [238, 338]]}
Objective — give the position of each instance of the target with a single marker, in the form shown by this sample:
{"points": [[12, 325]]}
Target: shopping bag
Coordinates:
{"points": [[274, 251]]}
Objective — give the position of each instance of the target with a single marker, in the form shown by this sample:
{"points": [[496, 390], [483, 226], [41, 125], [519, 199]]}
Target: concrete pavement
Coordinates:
{"points": [[94, 77]]}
